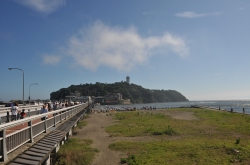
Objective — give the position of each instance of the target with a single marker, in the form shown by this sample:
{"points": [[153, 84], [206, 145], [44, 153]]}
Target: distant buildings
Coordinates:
{"points": [[112, 98], [76, 97]]}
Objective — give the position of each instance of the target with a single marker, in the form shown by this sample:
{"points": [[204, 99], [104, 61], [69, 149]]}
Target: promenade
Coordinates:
{"points": [[19, 136], [22, 126]]}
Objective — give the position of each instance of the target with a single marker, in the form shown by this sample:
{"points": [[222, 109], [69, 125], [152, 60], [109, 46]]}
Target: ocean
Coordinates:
{"points": [[236, 105]]}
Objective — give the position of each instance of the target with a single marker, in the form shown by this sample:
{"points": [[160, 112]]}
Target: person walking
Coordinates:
{"points": [[44, 110], [66, 104], [14, 112], [18, 115], [22, 114]]}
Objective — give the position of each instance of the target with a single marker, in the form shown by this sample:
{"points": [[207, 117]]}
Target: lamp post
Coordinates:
{"points": [[29, 90], [23, 80]]}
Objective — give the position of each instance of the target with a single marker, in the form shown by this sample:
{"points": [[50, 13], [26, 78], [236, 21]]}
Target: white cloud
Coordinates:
{"points": [[51, 59], [42, 6], [122, 49], [190, 14]]}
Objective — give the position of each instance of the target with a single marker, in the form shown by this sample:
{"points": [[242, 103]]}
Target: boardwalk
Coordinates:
{"points": [[21, 135], [22, 126]]}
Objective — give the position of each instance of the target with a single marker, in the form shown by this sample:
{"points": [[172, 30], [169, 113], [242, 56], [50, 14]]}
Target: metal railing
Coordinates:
{"points": [[12, 141], [5, 112], [26, 107]]}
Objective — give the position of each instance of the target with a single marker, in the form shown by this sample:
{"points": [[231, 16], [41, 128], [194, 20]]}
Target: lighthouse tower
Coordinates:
{"points": [[128, 79]]}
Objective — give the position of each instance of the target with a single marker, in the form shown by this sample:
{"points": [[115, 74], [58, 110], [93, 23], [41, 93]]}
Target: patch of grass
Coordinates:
{"points": [[156, 133], [75, 152], [81, 124], [131, 160], [169, 131], [237, 141], [208, 140], [184, 152]]}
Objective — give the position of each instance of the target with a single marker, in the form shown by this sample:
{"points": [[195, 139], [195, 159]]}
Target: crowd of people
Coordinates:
{"points": [[17, 114], [55, 106], [149, 108]]}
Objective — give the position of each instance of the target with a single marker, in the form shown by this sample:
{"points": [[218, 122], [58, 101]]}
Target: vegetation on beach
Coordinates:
{"points": [[75, 151], [81, 123], [215, 137]]}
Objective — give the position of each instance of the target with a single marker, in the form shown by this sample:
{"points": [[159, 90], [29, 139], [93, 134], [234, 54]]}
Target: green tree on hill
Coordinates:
{"points": [[136, 93]]}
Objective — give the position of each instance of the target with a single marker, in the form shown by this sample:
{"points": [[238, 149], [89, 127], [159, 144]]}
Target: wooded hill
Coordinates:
{"points": [[136, 93]]}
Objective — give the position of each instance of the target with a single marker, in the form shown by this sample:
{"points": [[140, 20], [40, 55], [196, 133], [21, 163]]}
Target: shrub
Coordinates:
{"points": [[157, 133], [237, 141], [169, 131], [131, 160]]}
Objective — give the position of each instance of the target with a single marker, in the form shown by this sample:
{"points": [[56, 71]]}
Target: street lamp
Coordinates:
{"points": [[23, 81], [29, 90]]}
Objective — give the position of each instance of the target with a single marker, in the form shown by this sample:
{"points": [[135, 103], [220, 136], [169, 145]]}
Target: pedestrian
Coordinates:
{"points": [[55, 106], [14, 112], [44, 110], [18, 114], [66, 104], [49, 106], [22, 114]]}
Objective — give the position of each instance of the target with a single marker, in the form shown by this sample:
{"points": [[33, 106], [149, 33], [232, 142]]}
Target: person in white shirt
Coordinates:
{"points": [[14, 111]]}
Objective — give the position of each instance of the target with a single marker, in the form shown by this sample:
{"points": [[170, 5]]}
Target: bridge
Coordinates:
{"points": [[29, 109], [31, 140]]}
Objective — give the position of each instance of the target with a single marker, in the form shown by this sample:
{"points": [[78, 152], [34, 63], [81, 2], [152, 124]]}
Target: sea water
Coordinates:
{"points": [[236, 105]]}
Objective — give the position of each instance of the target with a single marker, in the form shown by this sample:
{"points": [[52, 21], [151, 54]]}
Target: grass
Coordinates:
{"points": [[81, 124], [75, 151], [214, 138]]}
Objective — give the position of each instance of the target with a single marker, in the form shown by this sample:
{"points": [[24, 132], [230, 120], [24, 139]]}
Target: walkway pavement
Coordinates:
{"points": [[21, 126]]}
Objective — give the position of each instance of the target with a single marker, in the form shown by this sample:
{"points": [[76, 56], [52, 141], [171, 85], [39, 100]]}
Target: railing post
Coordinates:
{"points": [[54, 120], [3, 145], [60, 117], [29, 112], [31, 132], [45, 125], [8, 116]]}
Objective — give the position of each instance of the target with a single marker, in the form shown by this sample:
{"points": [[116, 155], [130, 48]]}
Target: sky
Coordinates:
{"points": [[200, 48]]}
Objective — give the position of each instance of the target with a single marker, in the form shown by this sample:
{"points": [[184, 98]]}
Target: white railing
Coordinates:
{"points": [[2, 109], [10, 142]]}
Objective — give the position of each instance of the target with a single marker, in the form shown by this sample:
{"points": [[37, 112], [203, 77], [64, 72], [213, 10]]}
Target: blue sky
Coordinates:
{"points": [[199, 48]]}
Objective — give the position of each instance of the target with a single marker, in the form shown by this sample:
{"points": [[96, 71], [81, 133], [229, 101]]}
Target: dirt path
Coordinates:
{"points": [[95, 130]]}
